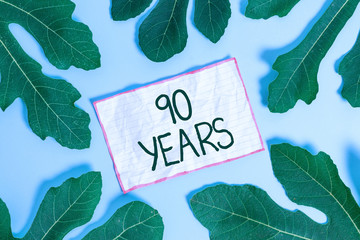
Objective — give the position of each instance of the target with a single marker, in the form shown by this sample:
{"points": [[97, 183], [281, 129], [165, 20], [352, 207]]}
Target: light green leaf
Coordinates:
{"points": [[211, 17], [66, 207], [265, 9], [163, 33], [298, 68], [5, 225], [246, 212], [314, 181], [50, 102], [135, 220], [349, 69], [125, 9]]}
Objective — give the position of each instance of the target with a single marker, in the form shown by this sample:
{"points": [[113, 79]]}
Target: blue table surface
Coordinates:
{"points": [[30, 166]]}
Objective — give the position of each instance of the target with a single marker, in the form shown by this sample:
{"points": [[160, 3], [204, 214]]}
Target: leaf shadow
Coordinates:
{"points": [[270, 55], [192, 193], [113, 206], [279, 140], [139, 85], [73, 172], [353, 166], [336, 68], [243, 5], [192, 16]]}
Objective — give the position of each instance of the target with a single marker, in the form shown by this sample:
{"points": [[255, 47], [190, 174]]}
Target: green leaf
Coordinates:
{"points": [[246, 212], [298, 68], [5, 225], [65, 41], [314, 181], [350, 72], [211, 17], [50, 102], [125, 9], [265, 9], [135, 220], [163, 33], [66, 207]]}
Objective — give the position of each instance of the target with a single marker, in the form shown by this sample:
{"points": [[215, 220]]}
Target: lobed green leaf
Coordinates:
{"points": [[298, 68], [122, 10], [135, 220], [350, 72], [163, 33], [50, 102], [247, 212], [65, 41], [211, 17], [66, 207], [265, 9], [314, 181]]}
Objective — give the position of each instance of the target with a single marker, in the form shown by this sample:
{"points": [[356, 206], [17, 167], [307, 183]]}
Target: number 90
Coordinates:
{"points": [[172, 105]]}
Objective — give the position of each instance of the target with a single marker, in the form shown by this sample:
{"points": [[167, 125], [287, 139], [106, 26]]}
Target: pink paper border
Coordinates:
{"points": [[186, 172]]}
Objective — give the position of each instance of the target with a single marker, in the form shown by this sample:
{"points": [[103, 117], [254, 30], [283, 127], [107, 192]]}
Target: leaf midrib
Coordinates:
{"points": [[141, 222], [35, 89], [71, 205], [330, 193], [48, 28], [308, 52], [260, 5], [167, 26], [252, 220]]}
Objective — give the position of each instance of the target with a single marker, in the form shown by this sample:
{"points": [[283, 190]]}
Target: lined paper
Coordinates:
{"points": [[214, 92]]}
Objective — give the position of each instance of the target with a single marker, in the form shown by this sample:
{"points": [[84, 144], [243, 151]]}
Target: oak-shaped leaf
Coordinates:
{"points": [[135, 221], [298, 68], [247, 212], [50, 102], [163, 33], [265, 9], [349, 69], [73, 203]]}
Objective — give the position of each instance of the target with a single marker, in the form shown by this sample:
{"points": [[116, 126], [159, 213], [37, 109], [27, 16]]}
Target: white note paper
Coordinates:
{"points": [[176, 126]]}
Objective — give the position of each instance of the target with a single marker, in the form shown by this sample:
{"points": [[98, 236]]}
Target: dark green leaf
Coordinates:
{"points": [[50, 102], [211, 17], [247, 212], [66, 207], [135, 220], [314, 181], [349, 69], [125, 9], [163, 33], [5, 225], [267, 8], [298, 68], [65, 41]]}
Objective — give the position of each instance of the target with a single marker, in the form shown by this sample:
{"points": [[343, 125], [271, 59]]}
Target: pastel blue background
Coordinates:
{"points": [[30, 166]]}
